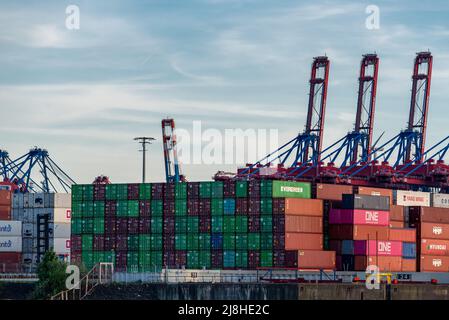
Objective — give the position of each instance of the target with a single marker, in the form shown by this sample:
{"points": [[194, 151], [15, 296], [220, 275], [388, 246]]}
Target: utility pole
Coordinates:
{"points": [[144, 141]]}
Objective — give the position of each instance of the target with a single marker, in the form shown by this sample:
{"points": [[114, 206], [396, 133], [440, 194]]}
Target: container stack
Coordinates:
{"points": [[212, 225], [10, 236], [432, 226], [56, 209]]}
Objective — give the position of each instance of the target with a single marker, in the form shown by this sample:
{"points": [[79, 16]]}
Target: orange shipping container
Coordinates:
{"points": [[5, 213], [396, 224], [433, 230], [358, 232], [434, 263], [384, 263], [5, 198], [428, 214], [303, 241], [435, 247], [316, 259], [408, 265], [397, 213], [375, 192], [332, 191], [303, 224], [304, 207], [404, 235]]}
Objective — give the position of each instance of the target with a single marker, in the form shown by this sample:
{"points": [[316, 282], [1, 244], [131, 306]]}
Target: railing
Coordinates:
{"points": [[101, 273]]}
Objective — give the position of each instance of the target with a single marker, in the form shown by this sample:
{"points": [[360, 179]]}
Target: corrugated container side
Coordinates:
{"points": [[435, 247], [316, 259], [429, 263], [411, 198], [303, 241], [433, 230], [440, 200], [375, 192], [404, 235], [332, 191]]}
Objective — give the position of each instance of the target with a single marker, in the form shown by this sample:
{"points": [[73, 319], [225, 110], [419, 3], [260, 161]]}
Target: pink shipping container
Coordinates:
{"points": [[359, 217], [379, 248]]}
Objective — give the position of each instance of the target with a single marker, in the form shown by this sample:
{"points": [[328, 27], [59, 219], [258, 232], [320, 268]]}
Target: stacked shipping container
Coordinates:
{"points": [[214, 225], [10, 236]]}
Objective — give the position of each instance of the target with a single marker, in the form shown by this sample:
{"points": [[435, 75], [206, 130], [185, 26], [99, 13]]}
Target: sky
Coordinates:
{"points": [[84, 94]]}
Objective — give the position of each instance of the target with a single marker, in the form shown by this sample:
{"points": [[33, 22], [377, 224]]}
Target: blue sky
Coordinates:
{"points": [[85, 94]]}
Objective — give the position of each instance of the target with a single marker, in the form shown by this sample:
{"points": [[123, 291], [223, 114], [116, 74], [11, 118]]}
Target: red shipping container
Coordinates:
{"points": [[98, 243], [278, 206], [180, 259], [396, 213], [359, 217], [304, 207], [279, 240], [358, 232], [397, 224], [377, 248], [433, 230], [145, 225], [254, 223], [332, 191], [193, 190], [217, 259], [428, 214], [254, 189], [404, 235], [193, 207], [121, 260], [157, 191], [121, 242], [434, 247], [384, 263], [228, 189], [291, 259], [99, 192], [169, 259], [109, 242], [133, 225], [374, 192], [110, 208], [335, 245], [204, 206], [5, 213], [110, 225], [122, 226], [430, 263], [5, 198], [254, 206], [408, 265], [303, 241], [278, 223], [145, 208], [253, 259], [278, 258], [169, 225], [76, 257], [75, 242], [169, 208], [303, 224], [169, 242], [241, 206], [316, 259], [133, 191], [205, 224]]}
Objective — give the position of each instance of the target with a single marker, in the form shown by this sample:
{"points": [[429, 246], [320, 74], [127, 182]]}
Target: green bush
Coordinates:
{"points": [[52, 276]]}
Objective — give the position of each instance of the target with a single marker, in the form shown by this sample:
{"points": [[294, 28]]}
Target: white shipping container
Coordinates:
{"points": [[440, 200], [62, 215], [39, 200], [61, 230], [29, 230], [29, 245], [28, 200], [17, 200], [60, 200], [411, 198], [10, 244], [61, 245], [10, 228], [29, 258]]}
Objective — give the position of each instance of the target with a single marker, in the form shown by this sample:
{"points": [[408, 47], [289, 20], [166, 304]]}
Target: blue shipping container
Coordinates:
{"points": [[229, 206], [229, 259], [409, 250], [217, 241], [347, 247]]}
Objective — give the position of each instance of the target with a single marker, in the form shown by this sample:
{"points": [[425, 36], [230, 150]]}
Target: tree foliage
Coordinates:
{"points": [[52, 275]]}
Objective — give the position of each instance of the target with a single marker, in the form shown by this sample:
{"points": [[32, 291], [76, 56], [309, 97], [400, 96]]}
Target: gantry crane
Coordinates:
{"points": [[172, 172]]}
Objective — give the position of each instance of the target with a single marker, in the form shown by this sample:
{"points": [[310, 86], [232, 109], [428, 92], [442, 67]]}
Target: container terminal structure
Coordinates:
{"points": [[305, 214]]}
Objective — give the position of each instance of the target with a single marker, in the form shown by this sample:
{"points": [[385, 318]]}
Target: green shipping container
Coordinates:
{"points": [[181, 242], [87, 209], [122, 208], [77, 209], [144, 242], [98, 226], [122, 192], [88, 226], [133, 261], [241, 224], [253, 241], [109, 256], [156, 261], [157, 208], [266, 187], [133, 208], [193, 259], [111, 192], [180, 207], [88, 259], [217, 207], [157, 224], [145, 261], [99, 209], [98, 256], [88, 192], [266, 206], [266, 223], [156, 242], [291, 189], [228, 224], [77, 226], [204, 260], [229, 241], [241, 259], [241, 189], [77, 192], [192, 224], [192, 241], [217, 224], [133, 242], [266, 258], [181, 190], [266, 241], [180, 224], [217, 189], [204, 241], [145, 191], [205, 189], [241, 241], [87, 242]]}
